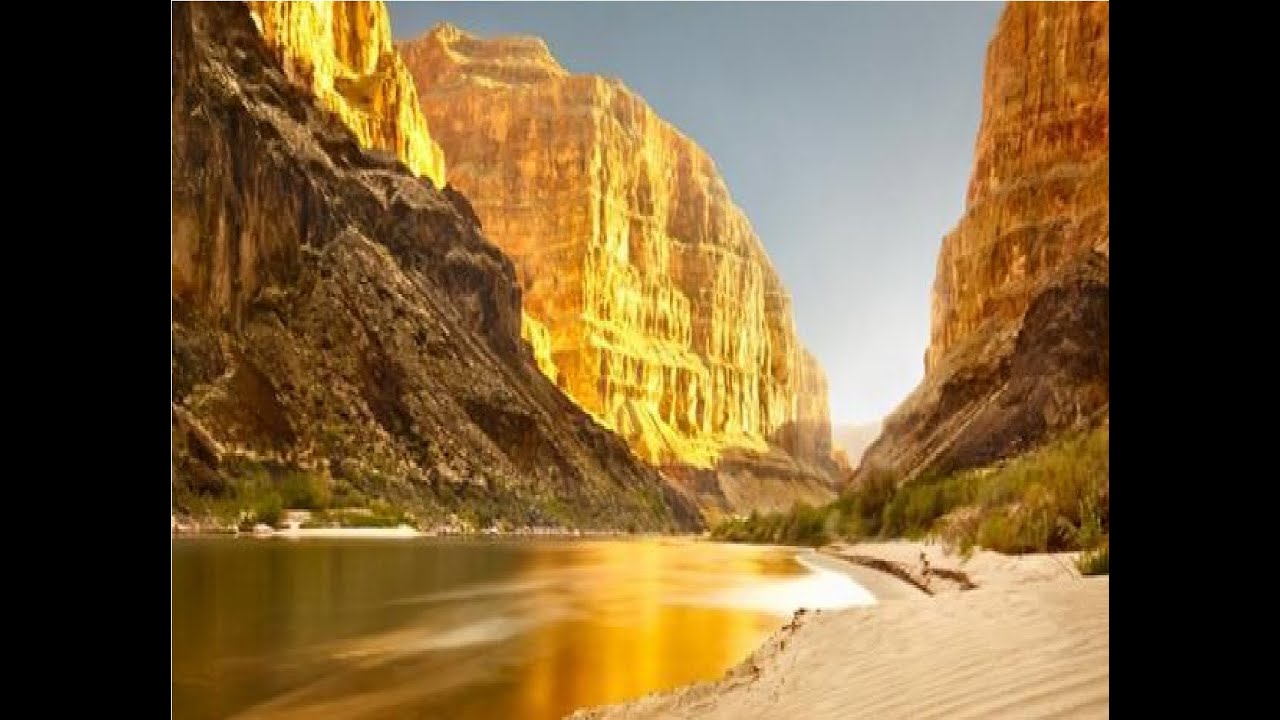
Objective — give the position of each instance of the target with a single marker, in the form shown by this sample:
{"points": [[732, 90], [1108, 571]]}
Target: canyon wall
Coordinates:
{"points": [[1019, 347], [664, 317], [1039, 190], [342, 51], [340, 319]]}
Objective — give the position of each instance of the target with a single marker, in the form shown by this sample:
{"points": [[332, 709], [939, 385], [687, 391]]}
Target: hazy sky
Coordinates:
{"points": [[844, 130]]}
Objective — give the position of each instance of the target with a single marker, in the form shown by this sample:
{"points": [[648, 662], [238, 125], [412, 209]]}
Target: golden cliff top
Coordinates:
{"points": [[447, 61], [342, 51], [501, 61]]}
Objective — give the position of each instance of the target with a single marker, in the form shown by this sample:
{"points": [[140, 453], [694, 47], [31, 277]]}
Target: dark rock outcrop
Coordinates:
{"points": [[1011, 387], [336, 315]]}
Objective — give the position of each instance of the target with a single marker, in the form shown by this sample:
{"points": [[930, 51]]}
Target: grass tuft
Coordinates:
{"points": [[1095, 562]]}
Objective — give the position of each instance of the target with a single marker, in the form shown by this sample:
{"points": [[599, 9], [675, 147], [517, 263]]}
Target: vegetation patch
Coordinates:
{"points": [[251, 492], [1095, 562], [1053, 498], [377, 514]]}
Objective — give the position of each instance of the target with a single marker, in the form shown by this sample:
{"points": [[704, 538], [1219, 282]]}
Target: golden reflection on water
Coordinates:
{"points": [[638, 643], [473, 629]]}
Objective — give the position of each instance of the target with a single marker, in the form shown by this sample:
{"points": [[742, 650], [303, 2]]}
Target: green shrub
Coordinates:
{"points": [[802, 525], [307, 491], [1013, 532], [267, 509], [343, 494], [1095, 562]]}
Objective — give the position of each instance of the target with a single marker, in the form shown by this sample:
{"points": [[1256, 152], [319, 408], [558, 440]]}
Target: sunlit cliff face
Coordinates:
{"points": [[343, 52], [539, 339], [663, 316]]}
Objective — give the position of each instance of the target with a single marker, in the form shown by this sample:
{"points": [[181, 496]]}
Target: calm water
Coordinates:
{"points": [[468, 628]]}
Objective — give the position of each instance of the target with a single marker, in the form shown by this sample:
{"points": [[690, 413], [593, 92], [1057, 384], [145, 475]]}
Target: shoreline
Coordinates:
{"points": [[883, 586], [406, 531], [295, 527], [992, 635]]}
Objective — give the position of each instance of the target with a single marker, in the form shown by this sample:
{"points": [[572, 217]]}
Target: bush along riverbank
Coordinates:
{"points": [[1055, 498]]}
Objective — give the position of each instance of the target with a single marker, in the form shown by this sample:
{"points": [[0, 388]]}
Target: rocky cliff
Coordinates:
{"points": [[1019, 349], [664, 317], [338, 318], [342, 51]]}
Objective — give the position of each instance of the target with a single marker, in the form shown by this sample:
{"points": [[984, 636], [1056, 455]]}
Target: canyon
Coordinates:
{"points": [[544, 295], [648, 297], [447, 283], [643, 293], [1019, 350], [338, 314]]}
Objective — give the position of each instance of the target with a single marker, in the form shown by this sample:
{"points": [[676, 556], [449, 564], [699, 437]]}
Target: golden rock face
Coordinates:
{"points": [[1040, 184], [539, 339], [664, 317], [342, 51]]}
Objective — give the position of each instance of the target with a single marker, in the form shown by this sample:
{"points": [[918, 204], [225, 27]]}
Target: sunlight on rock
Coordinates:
{"points": [[648, 297], [342, 52]]}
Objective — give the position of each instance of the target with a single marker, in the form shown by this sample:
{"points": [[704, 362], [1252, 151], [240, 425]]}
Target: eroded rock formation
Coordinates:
{"points": [[665, 317], [342, 51], [336, 316], [1019, 350]]}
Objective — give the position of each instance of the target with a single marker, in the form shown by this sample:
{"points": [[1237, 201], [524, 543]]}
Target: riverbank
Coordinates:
{"points": [[882, 586], [299, 523], [1029, 637], [208, 528]]}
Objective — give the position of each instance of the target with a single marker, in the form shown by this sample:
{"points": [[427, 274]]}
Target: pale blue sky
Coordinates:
{"points": [[844, 130]]}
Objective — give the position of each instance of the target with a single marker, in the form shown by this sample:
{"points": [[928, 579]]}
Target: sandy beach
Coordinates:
{"points": [[1029, 639]]}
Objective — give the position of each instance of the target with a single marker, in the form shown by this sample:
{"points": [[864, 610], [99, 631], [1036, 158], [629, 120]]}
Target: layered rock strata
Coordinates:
{"points": [[1019, 348], [665, 318], [336, 316]]}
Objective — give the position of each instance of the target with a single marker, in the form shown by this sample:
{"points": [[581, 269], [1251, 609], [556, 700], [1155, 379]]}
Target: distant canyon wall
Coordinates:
{"points": [[654, 299], [1019, 347], [853, 439]]}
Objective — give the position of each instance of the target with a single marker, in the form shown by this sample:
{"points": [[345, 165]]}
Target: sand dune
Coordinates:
{"points": [[1030, 641]]}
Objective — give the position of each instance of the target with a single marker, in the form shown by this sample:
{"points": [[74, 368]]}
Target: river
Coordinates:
{"points": [[461, 629]]}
